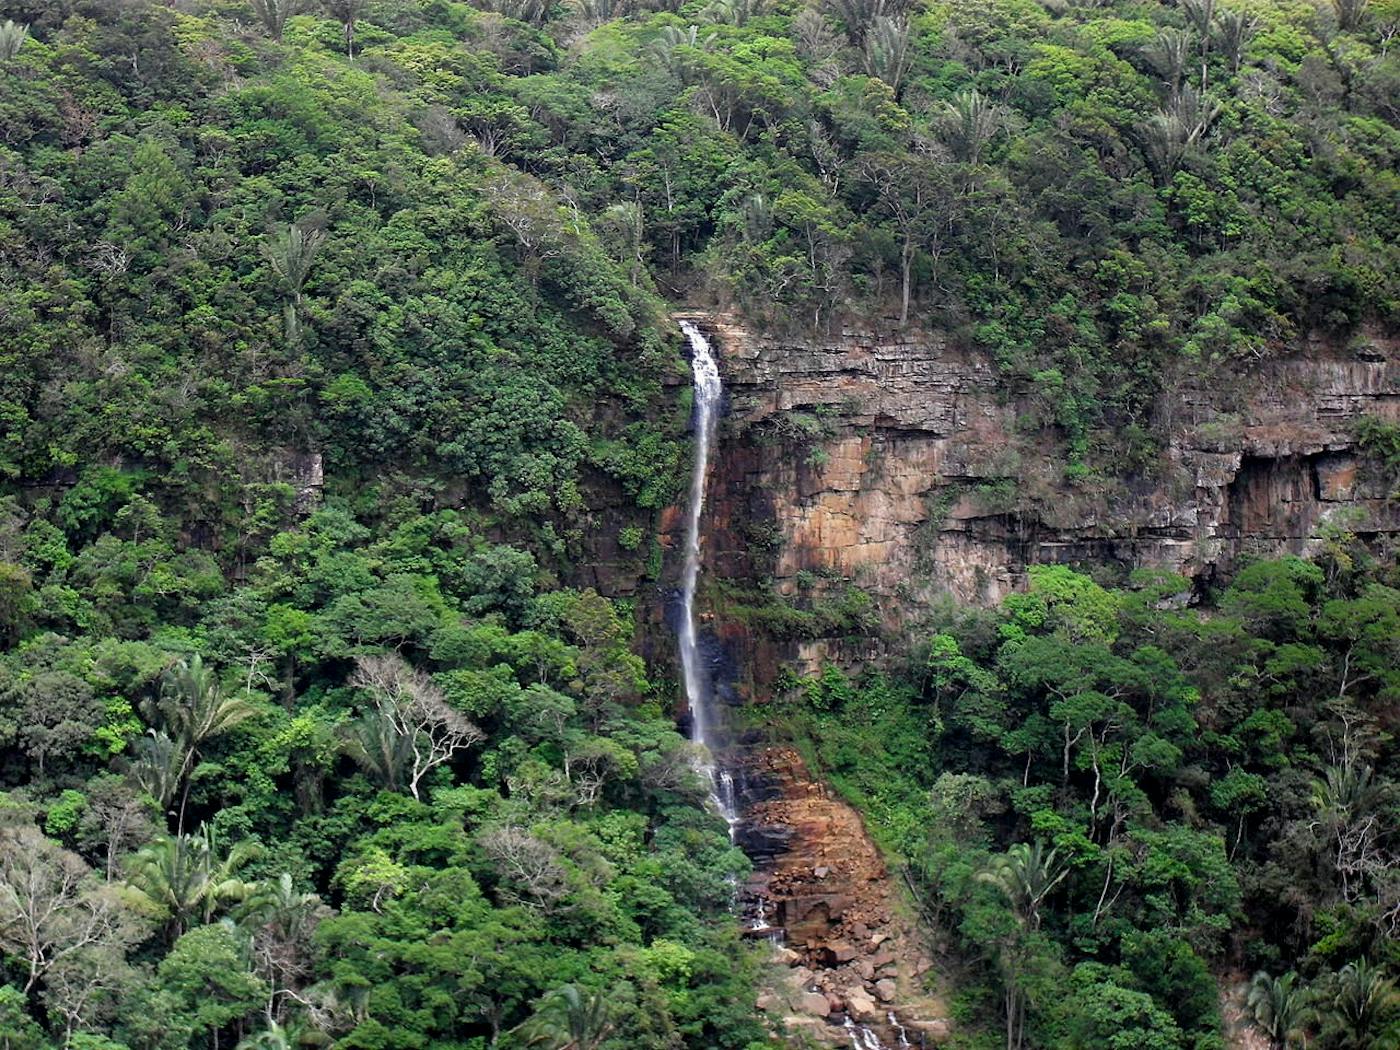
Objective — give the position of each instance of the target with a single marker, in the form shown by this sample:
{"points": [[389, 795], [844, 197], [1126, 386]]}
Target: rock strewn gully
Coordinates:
{"points": [[848, 949]]}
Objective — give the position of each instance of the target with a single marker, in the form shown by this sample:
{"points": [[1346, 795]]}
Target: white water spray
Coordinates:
{"points": [[862, 1038], [899, 1030], [699, 693]]}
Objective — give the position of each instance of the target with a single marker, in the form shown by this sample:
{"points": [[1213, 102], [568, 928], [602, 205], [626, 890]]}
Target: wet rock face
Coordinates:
{"points": [[905, 465]]}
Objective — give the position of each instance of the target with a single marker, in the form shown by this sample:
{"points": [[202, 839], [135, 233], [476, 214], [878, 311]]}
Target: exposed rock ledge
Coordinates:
{"points": [[894, 491]]}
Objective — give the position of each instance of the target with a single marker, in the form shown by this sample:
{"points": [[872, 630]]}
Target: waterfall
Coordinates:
{"points": [[699, 692], [862, 1038]]}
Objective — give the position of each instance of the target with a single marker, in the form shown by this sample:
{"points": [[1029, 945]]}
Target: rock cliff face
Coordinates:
{"points": [[903, 465]]}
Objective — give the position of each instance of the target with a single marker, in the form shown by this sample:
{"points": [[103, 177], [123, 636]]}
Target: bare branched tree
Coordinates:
{"points": [[530, 870], [527, 209], [283, 922], [52, 906], [412, 719]]}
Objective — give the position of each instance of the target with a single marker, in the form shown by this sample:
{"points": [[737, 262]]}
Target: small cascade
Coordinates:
{"points": [[899, 1031], [699, 690], [862, 1038], [760, 927]]}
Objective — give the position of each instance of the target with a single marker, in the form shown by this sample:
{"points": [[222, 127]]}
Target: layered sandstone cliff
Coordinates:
{"points": [[903, 464]]}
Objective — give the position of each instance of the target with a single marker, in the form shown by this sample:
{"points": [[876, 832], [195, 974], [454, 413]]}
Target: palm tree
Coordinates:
{"points": [[194, 704], [378, 748], [1279, 1008], [1234, 29], [159, 767], [969, 122], [193, 708], [1027, 875], [273, 14], [1170, 135], [291, 252], [1201, 14], [273, 1037], [887, 50], [670, 38], [279, 905], [12, 38], [187, 878], [569, 1018], [348, 14], [1361, 999], [1347, 802], [1350, 12], [1169, 52]]}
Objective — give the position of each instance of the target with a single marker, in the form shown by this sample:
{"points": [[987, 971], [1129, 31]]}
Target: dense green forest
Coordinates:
{"points": [[1105, 800], [335, 371]]}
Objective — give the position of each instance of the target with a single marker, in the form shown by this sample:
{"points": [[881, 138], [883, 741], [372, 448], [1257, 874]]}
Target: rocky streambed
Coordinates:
{"points": [[849, 967]]}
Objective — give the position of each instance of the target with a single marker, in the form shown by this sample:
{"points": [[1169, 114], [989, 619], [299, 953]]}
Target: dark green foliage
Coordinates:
{"points": [[332, 338], [1102, 791]]}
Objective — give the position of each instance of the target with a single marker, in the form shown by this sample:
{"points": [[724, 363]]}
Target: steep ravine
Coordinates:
{"points": [[847, 965], [880, 462]]}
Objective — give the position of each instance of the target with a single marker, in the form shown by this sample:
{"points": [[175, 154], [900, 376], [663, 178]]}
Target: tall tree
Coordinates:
{"points": [[273, 14], [412, 729], [187, 878], [348, 13]]}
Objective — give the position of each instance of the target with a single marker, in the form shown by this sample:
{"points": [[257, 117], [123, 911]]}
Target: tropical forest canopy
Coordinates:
{"points": [[335, 368]]}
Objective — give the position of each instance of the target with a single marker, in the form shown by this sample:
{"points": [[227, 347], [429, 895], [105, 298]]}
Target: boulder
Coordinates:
{"points": [[814, 1003], [837, 952], [934, 1032], [862, 1006], [885, 989]]}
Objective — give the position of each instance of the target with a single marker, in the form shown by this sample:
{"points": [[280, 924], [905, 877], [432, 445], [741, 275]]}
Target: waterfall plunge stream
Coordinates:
{"points": [[699, 689]]}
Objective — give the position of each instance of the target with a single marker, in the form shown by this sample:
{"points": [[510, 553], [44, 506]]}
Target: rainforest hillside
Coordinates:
{"points": [[340, 418]]}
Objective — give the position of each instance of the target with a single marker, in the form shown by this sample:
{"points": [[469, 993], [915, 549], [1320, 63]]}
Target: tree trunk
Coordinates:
{"points": [[906, 262]]}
